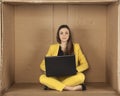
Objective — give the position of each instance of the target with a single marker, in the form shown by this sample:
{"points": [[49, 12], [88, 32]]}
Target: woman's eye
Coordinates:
{"points": [[66, 32], [61, 33]]}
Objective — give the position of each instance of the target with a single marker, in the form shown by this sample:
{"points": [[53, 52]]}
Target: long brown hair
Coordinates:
{"points": [[69, 48]]}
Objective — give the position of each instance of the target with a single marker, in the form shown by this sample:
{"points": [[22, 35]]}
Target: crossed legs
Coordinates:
{"points": [[63, 83]]}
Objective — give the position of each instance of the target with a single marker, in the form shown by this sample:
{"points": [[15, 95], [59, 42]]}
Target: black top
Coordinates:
{"points": [[61, 53]]}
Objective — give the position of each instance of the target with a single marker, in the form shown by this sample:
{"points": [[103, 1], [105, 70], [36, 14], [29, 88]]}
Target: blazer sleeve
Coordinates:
{"points": [[49, 53], [83, 65]]}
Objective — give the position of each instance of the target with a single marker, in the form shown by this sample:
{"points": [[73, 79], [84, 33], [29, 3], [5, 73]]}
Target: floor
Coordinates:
{"points": [[93, 89]]}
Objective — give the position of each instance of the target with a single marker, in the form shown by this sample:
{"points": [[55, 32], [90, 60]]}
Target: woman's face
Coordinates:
{"points": [[64, 34]]}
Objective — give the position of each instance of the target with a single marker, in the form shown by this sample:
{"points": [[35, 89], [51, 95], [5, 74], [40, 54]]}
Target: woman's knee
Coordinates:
{"points": [[81, 77], [42, 78]]}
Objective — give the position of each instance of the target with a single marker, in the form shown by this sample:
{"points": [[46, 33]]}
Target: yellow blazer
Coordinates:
{"points": [[81, 63]]}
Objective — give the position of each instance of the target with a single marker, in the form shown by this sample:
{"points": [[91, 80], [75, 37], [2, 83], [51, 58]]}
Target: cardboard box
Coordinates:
{"points": [[29, 27]]}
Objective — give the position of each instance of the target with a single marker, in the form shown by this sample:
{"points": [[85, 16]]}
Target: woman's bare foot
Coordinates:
{"points": [[69, 88], [77, 88], [74, 88]]}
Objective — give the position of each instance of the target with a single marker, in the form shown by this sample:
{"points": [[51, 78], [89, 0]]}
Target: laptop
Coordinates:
{"points": [[60, 65]]}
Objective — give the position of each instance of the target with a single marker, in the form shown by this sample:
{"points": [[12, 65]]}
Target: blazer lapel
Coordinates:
{"points": [[56, 50]]}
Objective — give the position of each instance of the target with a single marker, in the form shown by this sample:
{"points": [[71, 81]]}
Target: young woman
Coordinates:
{"points": [[65, 46]]}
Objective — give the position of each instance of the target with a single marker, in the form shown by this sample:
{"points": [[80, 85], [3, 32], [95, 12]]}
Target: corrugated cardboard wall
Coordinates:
{"points": [[0, 51], [8, 46], [119, 48], [112, 45], [35, 30]]}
